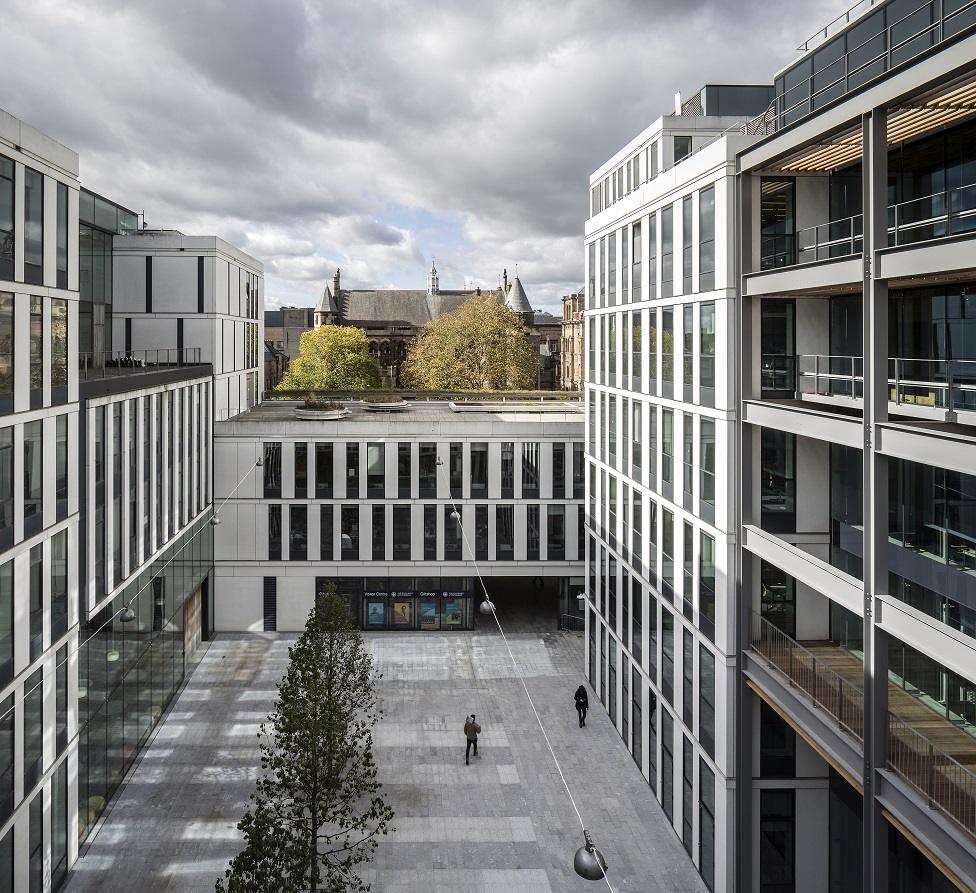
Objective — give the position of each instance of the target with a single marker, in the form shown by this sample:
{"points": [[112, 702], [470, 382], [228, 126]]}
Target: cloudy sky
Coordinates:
{"points": [[375, 134]]}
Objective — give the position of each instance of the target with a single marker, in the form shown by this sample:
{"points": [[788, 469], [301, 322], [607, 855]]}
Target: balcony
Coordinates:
{"points": [[940, 765], [114, 364]]}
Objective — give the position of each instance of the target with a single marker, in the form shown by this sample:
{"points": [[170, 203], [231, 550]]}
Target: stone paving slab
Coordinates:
{"points": [[504, 824]]}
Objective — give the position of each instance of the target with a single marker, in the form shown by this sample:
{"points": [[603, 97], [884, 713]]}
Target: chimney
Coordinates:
{"points": [[505, 281]]}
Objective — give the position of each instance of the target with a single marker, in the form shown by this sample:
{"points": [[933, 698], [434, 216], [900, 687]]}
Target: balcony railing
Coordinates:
{"points": [[924, 219], [778, 373], [829, 690], [944, 782], [109, 364], [949, 385]]}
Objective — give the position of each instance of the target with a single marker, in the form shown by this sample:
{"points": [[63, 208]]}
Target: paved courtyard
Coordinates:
{"points": [[501, 825]]}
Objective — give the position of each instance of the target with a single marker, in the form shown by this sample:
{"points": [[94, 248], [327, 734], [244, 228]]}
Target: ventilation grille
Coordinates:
{"points": [[270, 604]]}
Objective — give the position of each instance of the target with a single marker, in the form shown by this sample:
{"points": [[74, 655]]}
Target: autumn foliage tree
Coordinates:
{"points": [[332, 358], [317, 810], [481, 346]]}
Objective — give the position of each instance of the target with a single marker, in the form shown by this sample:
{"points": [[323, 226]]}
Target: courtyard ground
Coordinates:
{"points": [[501, 825]]}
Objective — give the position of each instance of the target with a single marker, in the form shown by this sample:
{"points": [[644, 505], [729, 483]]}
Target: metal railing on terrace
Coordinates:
{"points": [[940, 215], [943, 781], [879, 42], [949, 385], [112, 363]]}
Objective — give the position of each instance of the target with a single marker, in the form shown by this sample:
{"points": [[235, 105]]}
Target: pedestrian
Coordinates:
{"points": [[582, 704], [471, 732]]}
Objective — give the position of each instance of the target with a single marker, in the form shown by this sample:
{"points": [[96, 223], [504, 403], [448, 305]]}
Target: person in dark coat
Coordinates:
{"points": [[471, 732], [582, 704]]}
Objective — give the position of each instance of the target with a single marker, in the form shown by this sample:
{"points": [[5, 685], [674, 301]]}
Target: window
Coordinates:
{"points": [[652, 161], [777, 223], [652, 256], [777, 841], [706, 348], [667, 655], [706, 587], [688, 678], [636, 619], [481, 533], [323, 471], [61, 699], [6, 487], [532, 537], [530, 470], [688, 556], [301, 470], [636, 532], [652, 444], [777, 745], [686, 245], [706, 239], [706, 440], [635, 445], [35, 845], [688, 457], [404, 470], [688, 351], [401, 532], [270, 606], [590, 267], [611, 330], [352, 470], [59, 350], [298, 533], [635, 350], [667, 251], [558, 470], [706, 700], [59, 585], [624, 267], [7, 220], [667, 447], [687, 792], [430, 533], [611, 423], [624, 349], [7, 733], [59, 823], [667, 554], [349, 532], [274, 532], [667, 764], [778, 598], [508, 470], [6, 346], [706, 824], [375, 471], [452, 533], [612, 269], [635, 259], [428, 470], [326, 547], [379, 532], [33, 227], [479, 470], [62, 236], [456, 470], [556, 532], [6, 628], [579, 471], [33, 729], [36, 344], [667, 351], [778, 481], [682, 148], [603, 275], [504, 532], [272, 470]]}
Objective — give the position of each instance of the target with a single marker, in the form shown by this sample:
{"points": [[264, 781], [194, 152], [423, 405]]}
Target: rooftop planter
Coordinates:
{"points": [[385, 404], [320, 410]]}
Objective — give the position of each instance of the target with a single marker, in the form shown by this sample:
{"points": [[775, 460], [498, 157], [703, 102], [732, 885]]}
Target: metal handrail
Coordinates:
{"points": [[572, 622], [107, 363], [830, 691], [844, 19]]}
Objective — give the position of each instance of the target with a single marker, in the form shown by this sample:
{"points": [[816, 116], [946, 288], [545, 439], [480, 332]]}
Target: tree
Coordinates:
{"points": [[317, 810], [481, 346], [332, 358]]}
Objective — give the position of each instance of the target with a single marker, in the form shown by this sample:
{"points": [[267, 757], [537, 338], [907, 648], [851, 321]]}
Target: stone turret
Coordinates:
{"points": [[433, 281], [327, 310]]}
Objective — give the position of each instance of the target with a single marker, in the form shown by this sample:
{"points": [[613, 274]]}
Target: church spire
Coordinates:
{"points": [[433, 283]]}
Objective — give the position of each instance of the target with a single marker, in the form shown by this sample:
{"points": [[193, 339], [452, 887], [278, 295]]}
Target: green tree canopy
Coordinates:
{"points": [[481, 346], [317, 810], [332, 358]]}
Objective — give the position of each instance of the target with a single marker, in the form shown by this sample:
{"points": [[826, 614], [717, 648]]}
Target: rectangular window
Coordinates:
{"points": [[667, 251], [59, 350], [667, 554], [611, 353], [352, 471], [62, 236], [532, 538], [6, 487], [35, 333], [706, 348], [635, 260], [688, 459], [777, 745], [479, 470], [326, 532], [6, 344], [778, 481], [272, 470], [7, 219], [59, 825], [6, 631], [379, 532], [504, 532], [33, 729], [375, 470], [61, 699], [36, 603], [706, 700], [667, 764], [428, 470], [706, 438], [687, 792], [404, 469], [682, 148], [452, 533], [667, 351], [624, 267], [687, 245], [667, 655], [35, 844], [652, 256], [706, 239], [612, 269], [59, 585], [481, 532], [637, 532], [706, 587], [530, 470], [652, 161], [579, 471], [611, 423], [508, 470], [636, 619], [456, 470], [33, 227], [636, 449], [323, 471], [603, 272], [624, 349], [688, 678], [777, 841], [590, 269], [706, 824], [558, 470], [401, 532], [298, 533], [667, 447], [556, 532], [301, 470], [349, 532], [430, 533], [7, 734], [274, 532], [688, 352], [635, 350]]}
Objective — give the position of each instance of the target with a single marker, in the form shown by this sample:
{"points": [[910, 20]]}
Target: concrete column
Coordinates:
{"points": [[875, 321]]}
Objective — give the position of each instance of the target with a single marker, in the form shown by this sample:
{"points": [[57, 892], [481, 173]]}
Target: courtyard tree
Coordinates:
{"points": [[480, 346], [317, 810], [332, 358]]}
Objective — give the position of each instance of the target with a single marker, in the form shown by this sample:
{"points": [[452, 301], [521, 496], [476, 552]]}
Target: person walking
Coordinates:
{"points": [[582, 704], [471, 732]]}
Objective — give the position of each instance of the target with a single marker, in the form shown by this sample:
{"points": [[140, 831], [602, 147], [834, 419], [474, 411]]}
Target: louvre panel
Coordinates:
{"points": [[270, 604]]}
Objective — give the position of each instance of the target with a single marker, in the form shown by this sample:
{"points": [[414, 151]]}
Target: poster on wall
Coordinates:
{"points": [[403, 614], [453, 612], [375, 613], [429, 615]]}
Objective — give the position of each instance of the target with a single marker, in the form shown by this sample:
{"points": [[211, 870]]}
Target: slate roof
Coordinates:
{"points": [[516, 299], [327, 302], [403, 306]]}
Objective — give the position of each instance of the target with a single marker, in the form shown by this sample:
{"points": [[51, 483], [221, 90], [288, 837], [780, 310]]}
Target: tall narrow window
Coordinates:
{"points": [[6, 631], [635, 350], [352, 470], [323, 470], [706, 587], [556, 532], [272, 470], [532, 538], [456, 470], [687, 245], [530, 470], [36, 343], [274, 532], [558, 470], [62, 236], [33, 729], [430, 533], [579, 471], [688, 475], [59, 350], [603, 272], [6, 349], [777, 840], [777, 223], [652, 256], [706, 824], [667, 448], [35, 844], [706, 350], [7, 220], [481, 532], [504, 532], [33, 478], [667, 655], [624, 267], [688, 557], [349, 532], [635, 260], [590, 267], [428, 470], [404, 470], [667, 352], [667, 554], [326, 533], [636, 449], [652, 161], [33, 227], [706, 700], [452, 533], [298, 533], [479, 470], [508, 470], [688, 352], [706, 239], [59, 585], [301, 470], [378, 518], [612, 269], [59, 821], [61, 699], [6, 487], [375, 470], [667, 251], [687, 792], [611, 330], [667, 764], [778, 481], [401, 532], [706, 458]]}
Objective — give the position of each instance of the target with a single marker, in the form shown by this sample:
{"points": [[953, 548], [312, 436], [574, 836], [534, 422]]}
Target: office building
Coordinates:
{"points": [[367, 502]]}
